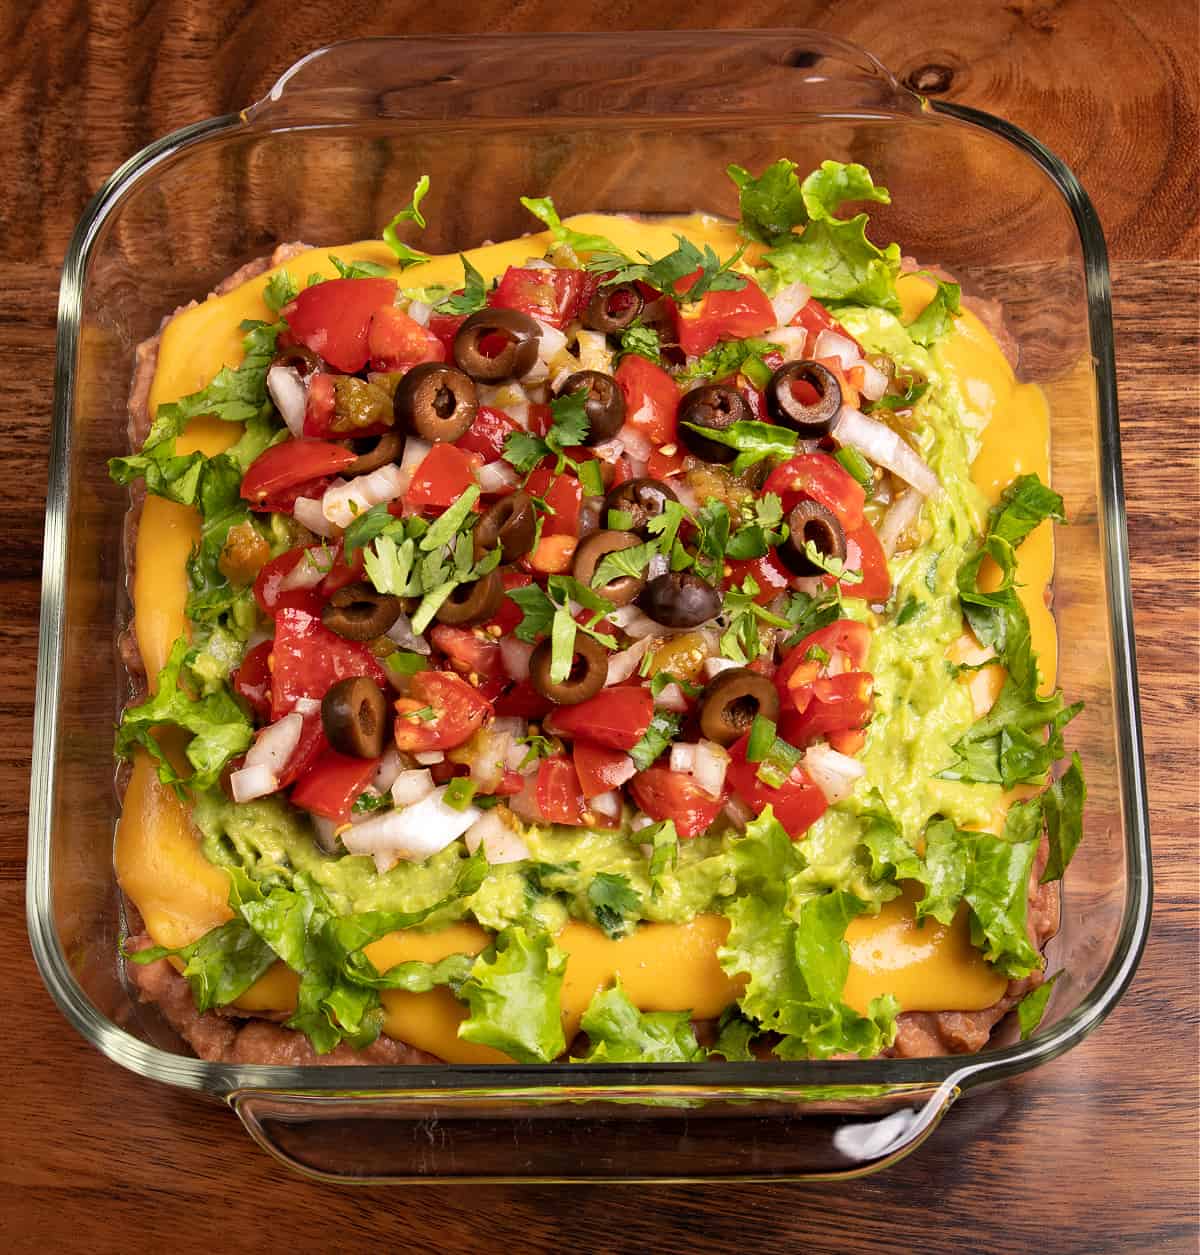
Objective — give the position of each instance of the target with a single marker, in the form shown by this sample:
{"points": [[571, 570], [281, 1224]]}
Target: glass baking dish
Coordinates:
{"points": [[604, 122]]}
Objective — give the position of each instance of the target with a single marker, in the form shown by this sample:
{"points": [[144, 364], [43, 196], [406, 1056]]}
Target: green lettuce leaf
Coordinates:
{"points": [[220, 728], [734, 1035], [839, 264], [542, 208], [936, 320], [833, 182], [219, 966], [620, 1033], [1063, 804], [405, 254], [514, 994], [771, 204], [1032, 1007]]}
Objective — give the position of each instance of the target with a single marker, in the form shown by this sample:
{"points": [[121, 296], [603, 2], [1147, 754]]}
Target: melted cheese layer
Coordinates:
{"points": [[670, 967]]}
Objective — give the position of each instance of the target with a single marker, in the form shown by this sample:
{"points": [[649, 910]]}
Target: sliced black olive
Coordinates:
{"points": [[732, 700], [715, 406], [359, 613], [786, 407], [511, 524], [641, 499], [589, 671], [438, 402], [604, 404], [680, 599], [301, 359], [354, 715], [614, 309], [810, 521], [471, 603], [388, 448], [519, 333], [590, 552], [591, 515]]}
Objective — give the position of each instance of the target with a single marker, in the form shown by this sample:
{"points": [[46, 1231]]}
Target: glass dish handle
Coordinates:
{"points": [[561, 1134], [478, 79]]}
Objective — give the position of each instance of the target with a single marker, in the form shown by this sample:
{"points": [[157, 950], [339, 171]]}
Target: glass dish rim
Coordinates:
{"points": [[949, 1071]]}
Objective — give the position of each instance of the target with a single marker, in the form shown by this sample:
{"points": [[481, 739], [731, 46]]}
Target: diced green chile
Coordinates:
{"points": [[809, 521], [510, 523], [358, 404], [715, 406], [437, 401], [604, 403], [519, 334], [731, 702], [589, 671], [354, 716], [360, 613], [786, 407], [588, 555], [680, 599]]}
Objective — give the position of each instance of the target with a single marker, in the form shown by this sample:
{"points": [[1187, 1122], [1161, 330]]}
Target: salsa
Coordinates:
{"points": [[631, 599]]}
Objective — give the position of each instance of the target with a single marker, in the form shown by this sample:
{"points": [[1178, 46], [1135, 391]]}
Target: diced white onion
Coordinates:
{"points": [[607, 805], [430, 758], [306, 706], [791, 339], [411, 786], [551, 342], [833, 773], [593, 351], [686, 494], [326, 832], [904, 512], [276, 744], [658, 565], [683, 757], [642, 821], [342, 504], [670, 697], [882, 445], [415, 452], [515, 656], [788, 302], [635, 623], [830, 344], [609, 450], [497, 476], [622, 665], [711, 764], [307, 510], [288, 392], [636, 445], [737, 812], [314, 565], [390, 766], [874, 383], [252, 782], [501, 843], [413, 834], [419, 312], [714, 666], [402, 634]]}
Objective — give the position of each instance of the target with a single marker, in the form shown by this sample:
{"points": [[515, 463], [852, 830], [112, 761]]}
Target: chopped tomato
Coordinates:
{"points": [[724, 316], [395, 341], [563, 494], [285, 465], [551, 295], [848, 743], [844, 643], [440, 712], [864, 553], [666, 794], [600, 769], [522, 701], [445, 327], [271, 599], [332, 784], [308, 659], [311, 746], [445, 474], [661, 465], [797, 803], [822, 686], [559, 796], [511, 783], [333, 318], [819, 477], [318, 409], [541, 418], [815, 318], [616, 717], [252, 680], [836, 703], [471, 652], [767, 572], [651, 399], [487, 434], [510, 614]]}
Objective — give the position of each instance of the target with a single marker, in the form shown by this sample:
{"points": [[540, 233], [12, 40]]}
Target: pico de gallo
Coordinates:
{"points": [[614, 588]]}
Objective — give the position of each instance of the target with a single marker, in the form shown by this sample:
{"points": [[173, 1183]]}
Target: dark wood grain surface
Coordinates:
{"points": [[1094, 1152]]}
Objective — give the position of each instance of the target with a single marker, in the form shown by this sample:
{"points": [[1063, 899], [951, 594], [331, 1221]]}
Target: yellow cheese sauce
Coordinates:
{"points": [[668, 967]]}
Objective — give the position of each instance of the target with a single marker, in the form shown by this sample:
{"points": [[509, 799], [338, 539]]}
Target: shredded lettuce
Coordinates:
{"points": [[620, 1033], [936, 320], [405, 254], [542, 208], [514, 993], [1032, 1007], [219, 966]]}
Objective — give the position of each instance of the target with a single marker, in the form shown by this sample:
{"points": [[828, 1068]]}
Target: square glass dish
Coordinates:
{"points": [[599, 122]]}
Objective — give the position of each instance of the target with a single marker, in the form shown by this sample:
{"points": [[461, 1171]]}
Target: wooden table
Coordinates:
{"points": [[1095, 1152]]}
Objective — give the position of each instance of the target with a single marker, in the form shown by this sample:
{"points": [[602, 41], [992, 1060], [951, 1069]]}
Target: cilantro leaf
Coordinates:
{"points": [[542, 208], [753, 441], [406, 255], [632, 561], [569, 421], [937, 318], [665, 273], [279, 290], [514, 993], [523, 451], [358, 269], [663, 729], [366, 526], [619, 1033], [537, 610], [613, 902], [644, 341], [663, 838], [730, 357], [473, 296]]}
